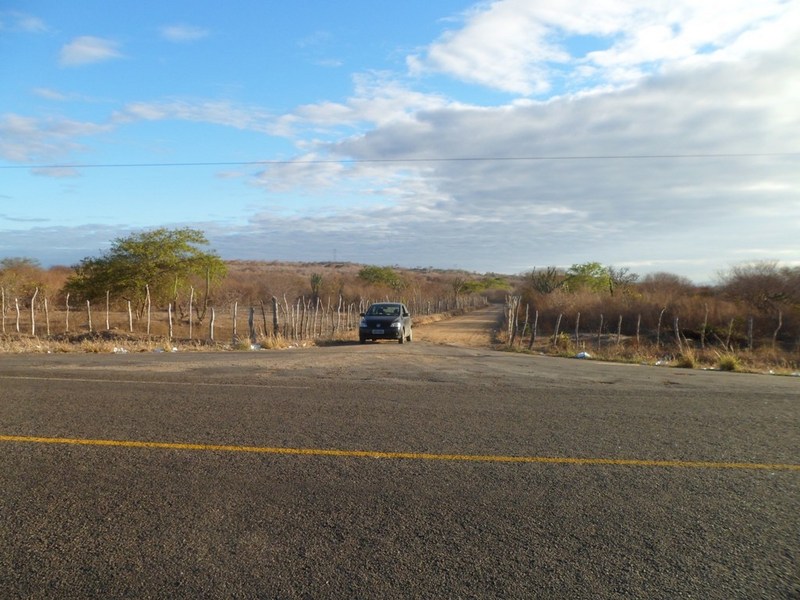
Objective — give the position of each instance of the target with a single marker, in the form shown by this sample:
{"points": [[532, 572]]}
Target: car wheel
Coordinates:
{"points": [[362, 340]]}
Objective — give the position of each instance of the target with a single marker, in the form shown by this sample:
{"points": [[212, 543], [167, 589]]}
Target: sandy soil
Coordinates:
{"points": [[474, 329]]}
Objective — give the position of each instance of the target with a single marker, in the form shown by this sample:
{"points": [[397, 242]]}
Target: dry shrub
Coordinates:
{"points": [[729, 362], [687, 359]]}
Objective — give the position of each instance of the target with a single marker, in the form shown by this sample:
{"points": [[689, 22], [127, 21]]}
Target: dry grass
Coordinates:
{"points": [[771, 360]]}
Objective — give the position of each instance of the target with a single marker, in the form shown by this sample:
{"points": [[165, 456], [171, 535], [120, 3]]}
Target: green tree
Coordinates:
{"points": [[316, 286], [591, 275], [162, 260], [382, 276]]}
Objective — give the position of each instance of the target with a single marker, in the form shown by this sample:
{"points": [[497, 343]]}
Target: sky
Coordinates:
{"points": [[502, 136]]}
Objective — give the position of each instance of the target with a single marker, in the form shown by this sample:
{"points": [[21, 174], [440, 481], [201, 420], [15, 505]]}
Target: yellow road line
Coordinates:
{"points": [[402, 455]]}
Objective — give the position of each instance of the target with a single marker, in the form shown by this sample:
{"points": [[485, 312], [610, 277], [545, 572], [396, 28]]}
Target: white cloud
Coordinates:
{"points": [[22, 22], [183, 33], [691, 79], [50, 94], [664, 211], [27, 139], [523, 46], [218, 112], [377, 99], [87, 49]]}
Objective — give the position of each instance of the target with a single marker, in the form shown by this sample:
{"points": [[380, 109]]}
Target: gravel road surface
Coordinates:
{"points": [[425, 470]]}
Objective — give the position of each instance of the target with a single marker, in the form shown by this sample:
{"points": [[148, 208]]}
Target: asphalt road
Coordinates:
{"points": [[394, 471]]}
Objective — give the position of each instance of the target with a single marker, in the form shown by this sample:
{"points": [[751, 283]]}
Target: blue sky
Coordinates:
{"points": [[491, 136]]}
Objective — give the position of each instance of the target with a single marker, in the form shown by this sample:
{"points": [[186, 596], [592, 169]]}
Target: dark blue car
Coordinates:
{"points": [[385, 321]]}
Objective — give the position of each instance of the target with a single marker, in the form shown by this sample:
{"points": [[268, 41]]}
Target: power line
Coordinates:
{"points": [[323, 161]]}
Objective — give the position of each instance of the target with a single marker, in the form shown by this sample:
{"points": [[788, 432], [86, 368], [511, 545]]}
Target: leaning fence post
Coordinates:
{"points": [[147, 300], [555, 333], [678, 335]]}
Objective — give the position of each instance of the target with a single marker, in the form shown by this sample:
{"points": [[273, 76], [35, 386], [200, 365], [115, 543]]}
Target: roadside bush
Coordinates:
{"points": [[729, 362]]}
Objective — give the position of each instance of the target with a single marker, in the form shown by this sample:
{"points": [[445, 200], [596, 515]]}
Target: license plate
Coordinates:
{"points": [[377, 331]]}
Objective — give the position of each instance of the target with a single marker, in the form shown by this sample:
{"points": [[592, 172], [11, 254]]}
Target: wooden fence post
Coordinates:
{"points": [[191, 301], [89, 315], [638, 328], [558, 325], [33, 312], [705, 327], [66, 318], [251, 325], [276, 327], [147, 301], [46, 316], [169, 320], [108, 309], [533, 330], [600, 331], [130, 317], [264, 316], [780, 324], [525, 324], [235, 315], [211, 324]]}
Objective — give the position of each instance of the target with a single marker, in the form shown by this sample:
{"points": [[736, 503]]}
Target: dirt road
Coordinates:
{"points": [[474, 329]]}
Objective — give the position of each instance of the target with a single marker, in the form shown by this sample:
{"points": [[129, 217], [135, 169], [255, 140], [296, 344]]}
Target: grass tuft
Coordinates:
{"points": [[729, 362]]}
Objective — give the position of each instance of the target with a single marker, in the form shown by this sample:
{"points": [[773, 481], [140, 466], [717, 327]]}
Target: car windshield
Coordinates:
{"points": [[383, 310]]}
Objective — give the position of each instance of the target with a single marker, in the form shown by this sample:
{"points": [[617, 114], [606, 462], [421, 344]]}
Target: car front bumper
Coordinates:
{"points": [[380, 333]]}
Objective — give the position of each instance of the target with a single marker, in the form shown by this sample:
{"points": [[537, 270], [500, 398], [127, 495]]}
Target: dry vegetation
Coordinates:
{"points": [[749, 321], [312, 302]]}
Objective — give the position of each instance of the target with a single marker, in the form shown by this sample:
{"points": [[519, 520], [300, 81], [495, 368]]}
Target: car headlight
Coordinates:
{"points": [[396, 324], [363, 323]]}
